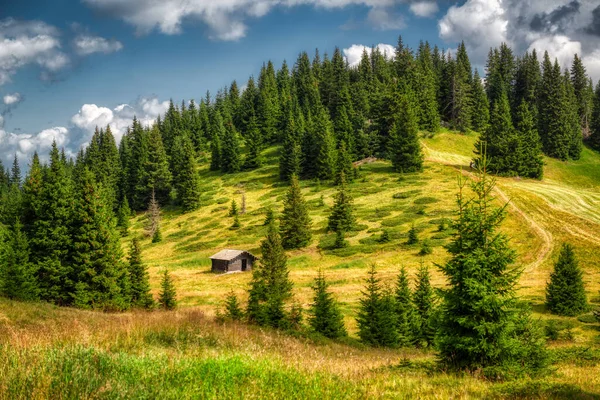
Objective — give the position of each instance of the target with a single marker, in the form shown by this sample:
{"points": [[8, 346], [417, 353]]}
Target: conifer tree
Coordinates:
{"points": [[230, 150], [405, 310], [325, 316], [319, 154], [158, 175], [32, 197], [480, 325], [96, 251], [217, 132], [481, 111], [51, 240], [233, 310], [583, 97], [153, 219], [423, 299], [17, 280], [343, 165], [269, 217], [291, 156], [341, 218], [233, 210], [15, 173], [138, 278], [404, 148], [253, 144], [425, 81], [167, 298], [295, 221], [187, 180], [376, 319], [123, 215], [531, 163], [565, 292], [413, 237], [137, 173], [270, 287]]}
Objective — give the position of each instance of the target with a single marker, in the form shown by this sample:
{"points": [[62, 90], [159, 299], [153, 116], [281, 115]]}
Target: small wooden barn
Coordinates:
{"points": [[232, 260]]}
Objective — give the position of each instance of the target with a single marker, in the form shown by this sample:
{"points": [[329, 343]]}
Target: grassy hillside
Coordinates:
{"points": [[62, 353]]}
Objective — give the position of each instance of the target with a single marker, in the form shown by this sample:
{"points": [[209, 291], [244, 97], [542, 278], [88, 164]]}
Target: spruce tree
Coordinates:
{"points": [[319, 157], [413, 237], [270, 287], [343, 165], [123, 215], [233, 310], [17, 280], [404, 148], [233, 210], [325, 316], [269, 216], [480, 325], [423, 299], [405, 310], [583, 97], [481, 110], [15, 173], [291, 156], [217, 132], [565, 292], [377, 315], [167, 298], [531, 162], [158, 175], [230, 150], [426, 82], [187, 180], [138, 278], [153, 219], [96, 250], [295, 221], [341, 218], [253, 144]]}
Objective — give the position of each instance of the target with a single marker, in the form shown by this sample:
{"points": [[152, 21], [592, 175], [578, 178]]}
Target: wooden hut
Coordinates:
{"points": [[232, 260]]}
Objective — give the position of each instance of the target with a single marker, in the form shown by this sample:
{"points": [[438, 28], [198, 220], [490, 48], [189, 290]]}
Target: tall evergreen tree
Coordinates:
{"points": [[481, 111], [123, 215], [343, 164], [405, 148], [318, 146], [217, 132], [583, 97], [270, 287], [253, 144], [15, 173], [230, 150], [96, 250], [295, 221], [565, 292], [290, 159], [341, 218], [423, 299], [158, 175], [187, 179], [17, 280], [405, 310], [139, 279], [479, 324], [426, 90], [595, 123], [325, 316], [531, 163]]}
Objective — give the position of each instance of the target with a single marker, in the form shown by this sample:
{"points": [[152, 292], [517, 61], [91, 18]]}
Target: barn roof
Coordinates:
{"points": [[228, 254]]}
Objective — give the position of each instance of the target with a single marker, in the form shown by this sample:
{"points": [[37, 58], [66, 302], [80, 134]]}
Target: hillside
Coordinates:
{"points": [[186, 354]]}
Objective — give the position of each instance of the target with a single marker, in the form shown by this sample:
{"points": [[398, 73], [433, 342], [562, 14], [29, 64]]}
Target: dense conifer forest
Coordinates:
{"points": [[61, 225]]}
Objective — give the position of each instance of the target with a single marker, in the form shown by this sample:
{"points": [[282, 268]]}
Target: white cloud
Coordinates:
{"points": [[354, 53], [86, 45], [24, 145], [385, 19], [562, 27], [11, 99], [224, 18], [29, 43], [424, 9]]}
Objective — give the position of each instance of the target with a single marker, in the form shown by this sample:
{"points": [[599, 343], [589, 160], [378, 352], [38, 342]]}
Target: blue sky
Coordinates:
{"points": [[69, 65]]}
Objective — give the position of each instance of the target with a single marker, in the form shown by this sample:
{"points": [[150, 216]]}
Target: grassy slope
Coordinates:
{"points": [[170, 354]]}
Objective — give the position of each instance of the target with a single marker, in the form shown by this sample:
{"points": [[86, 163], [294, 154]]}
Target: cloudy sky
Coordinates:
{"points": [[67, 66]]}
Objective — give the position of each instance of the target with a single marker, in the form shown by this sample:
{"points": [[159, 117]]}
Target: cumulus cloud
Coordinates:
{"points": [[562, 27], [24, 145], [11, 99], [87, 44], [25, 43], [226, 18], [354, 53], [424, 9]]}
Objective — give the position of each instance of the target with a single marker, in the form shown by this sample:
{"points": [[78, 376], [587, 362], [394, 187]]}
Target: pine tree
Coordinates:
{"points": [[341, 218], [376, 319], [187, 180], [405, 149], [123, 214], [137, 162], [413, 237], [270, 287], [531, 163], [217, 131], [17, 281], [158, 175], [343, 165], [269, 217], [583, 97], [233, 310], [318, 153], [426, 82], [291, 157], [423, 299], [233, 210], [167, 298], [96, 251], [15, 173], [565, 292], [405, 310], [295, 221], [253, 144], [325, 316], [480, 325], [138, 278]]}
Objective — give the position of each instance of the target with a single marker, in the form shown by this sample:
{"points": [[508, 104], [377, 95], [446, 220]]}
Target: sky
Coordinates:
{"points": [[67, 66]]}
